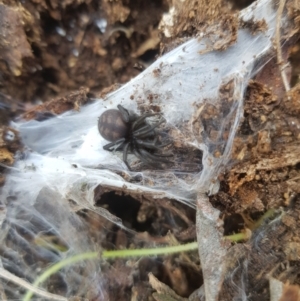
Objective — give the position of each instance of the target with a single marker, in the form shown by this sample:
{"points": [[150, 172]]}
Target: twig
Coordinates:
{"points": [[7, 275], [278, 45], [58, 266]]}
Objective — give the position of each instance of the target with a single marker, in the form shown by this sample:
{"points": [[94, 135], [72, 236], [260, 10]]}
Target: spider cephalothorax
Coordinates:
{"points": [[132, 133]]}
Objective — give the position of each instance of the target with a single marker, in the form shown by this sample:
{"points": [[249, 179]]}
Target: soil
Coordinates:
{"points": [[58, 55]]}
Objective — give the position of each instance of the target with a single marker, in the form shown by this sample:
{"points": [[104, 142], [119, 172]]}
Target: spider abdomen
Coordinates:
{"points": [[111, 125]]}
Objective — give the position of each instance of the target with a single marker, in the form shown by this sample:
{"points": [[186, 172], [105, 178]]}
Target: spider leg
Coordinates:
{"points": [[144, 160], [151, 145], [125, 113], [114, 145], [146, 130], [145, 127], [120, 146], [125, 154], [161, 155], [148, 126], [155, 158], [140, 120]]}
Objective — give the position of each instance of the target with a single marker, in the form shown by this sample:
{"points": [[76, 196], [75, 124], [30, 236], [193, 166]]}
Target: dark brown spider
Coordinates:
{"points": [[130, 132]]}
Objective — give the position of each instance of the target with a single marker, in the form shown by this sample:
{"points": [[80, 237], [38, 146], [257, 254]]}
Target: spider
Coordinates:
{"points": [[130, 132]]}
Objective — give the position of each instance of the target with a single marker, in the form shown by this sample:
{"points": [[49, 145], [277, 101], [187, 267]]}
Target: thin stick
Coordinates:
{"points": [[56, 267], [11, 277], [150, 252], [278, 45]]}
